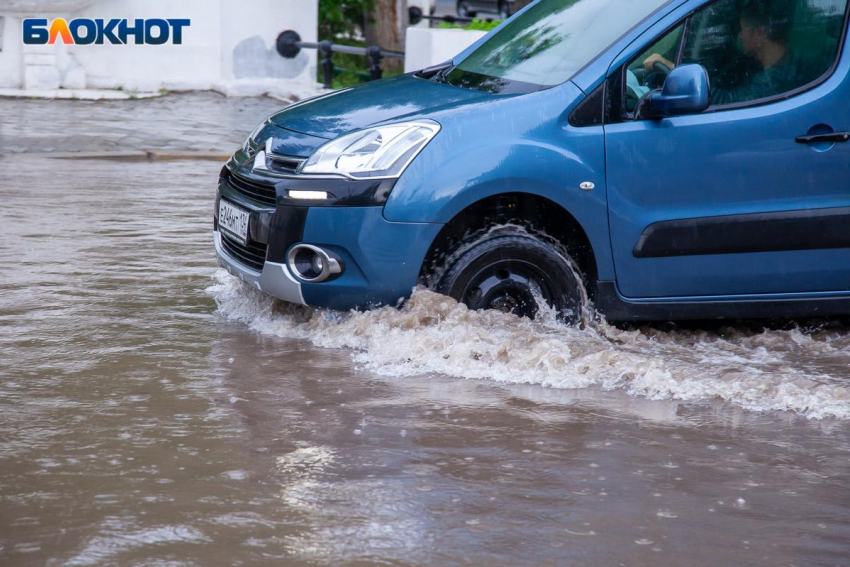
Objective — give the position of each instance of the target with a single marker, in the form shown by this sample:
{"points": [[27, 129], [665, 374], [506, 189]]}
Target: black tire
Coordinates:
{"points": [[464, 11], [504, 10], [505, 269]]}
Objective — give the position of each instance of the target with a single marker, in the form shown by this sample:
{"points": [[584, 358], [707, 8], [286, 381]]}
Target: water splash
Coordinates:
{"points": [[431, 333]]}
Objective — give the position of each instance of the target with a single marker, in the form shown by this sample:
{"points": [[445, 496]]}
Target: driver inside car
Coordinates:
{"points": [[763, 35]]}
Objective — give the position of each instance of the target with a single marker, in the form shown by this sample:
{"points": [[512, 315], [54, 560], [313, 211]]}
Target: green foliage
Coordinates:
{"points": [[349, 70], [474, 25], [342, 18]]}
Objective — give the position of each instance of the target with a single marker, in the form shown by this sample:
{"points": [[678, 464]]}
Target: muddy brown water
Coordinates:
{"points": [[153, 411]]}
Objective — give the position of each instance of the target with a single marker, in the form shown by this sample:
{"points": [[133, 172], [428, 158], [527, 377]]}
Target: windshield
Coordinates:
{"points": [[549, 43]]}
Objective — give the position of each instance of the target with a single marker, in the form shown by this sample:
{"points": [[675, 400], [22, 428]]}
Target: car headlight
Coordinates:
{"points": [[382, 151]]}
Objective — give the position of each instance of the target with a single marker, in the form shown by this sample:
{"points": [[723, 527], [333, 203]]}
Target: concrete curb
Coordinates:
{"points": [[127, 156], [77, 94], [282, 91]]}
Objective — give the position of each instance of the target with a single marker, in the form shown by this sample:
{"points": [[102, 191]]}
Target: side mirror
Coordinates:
{"points": [[685, 91]]}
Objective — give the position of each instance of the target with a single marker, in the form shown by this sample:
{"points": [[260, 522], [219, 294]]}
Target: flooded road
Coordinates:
{"points": [[154, 411]]}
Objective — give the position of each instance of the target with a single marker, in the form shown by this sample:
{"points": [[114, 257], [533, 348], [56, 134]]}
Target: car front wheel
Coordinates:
{"points": [[511, 270]]}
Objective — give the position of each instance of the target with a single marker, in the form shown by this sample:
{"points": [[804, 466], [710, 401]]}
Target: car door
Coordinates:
{"points": [[753, 195]]}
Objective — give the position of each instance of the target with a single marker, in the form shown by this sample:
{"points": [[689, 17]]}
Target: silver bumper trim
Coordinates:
{"points": [[275, 279]]}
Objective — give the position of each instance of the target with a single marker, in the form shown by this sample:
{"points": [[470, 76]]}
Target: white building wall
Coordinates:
{"points": [[229, 43], [425, 47], [149, 67], [11, 56], [244, 24]]}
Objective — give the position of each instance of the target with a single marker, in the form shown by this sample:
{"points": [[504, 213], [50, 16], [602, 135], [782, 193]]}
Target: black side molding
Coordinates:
{"points": [[812, 229], [832, 137], [616, 308]]}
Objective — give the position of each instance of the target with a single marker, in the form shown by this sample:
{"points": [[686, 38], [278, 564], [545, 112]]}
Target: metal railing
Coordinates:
{"points": [[289, 45], [416, 15]]}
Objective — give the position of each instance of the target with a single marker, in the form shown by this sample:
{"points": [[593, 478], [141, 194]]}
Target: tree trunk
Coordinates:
{"points": [[385, 26], [519, 5]]}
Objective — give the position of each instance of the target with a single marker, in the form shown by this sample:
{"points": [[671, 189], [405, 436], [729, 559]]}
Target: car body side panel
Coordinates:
{"points": [[382, 259], [510, 145], [736, 163]]}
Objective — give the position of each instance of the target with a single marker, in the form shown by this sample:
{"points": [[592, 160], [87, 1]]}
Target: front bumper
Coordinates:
{"points": [[382, 259], [275, 279]]}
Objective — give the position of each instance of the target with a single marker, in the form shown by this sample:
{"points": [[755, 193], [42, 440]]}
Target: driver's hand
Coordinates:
{"points": [[656, 58]]}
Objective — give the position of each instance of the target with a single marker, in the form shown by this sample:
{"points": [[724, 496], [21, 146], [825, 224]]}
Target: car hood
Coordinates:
{"points": [[340, 112]]}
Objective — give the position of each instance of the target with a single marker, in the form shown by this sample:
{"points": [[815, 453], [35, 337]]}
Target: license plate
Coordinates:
{"points": [[233, 221]]}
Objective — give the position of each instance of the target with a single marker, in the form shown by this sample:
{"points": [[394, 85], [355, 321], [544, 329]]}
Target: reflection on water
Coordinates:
{"points": [[139, 426]]}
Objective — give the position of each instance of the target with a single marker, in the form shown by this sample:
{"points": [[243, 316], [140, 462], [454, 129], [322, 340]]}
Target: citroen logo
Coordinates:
{"points": [[260, 158]]}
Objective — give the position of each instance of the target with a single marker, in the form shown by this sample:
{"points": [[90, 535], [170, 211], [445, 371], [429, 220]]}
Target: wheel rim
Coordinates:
{"points": [[463, 10], [509, 286]]}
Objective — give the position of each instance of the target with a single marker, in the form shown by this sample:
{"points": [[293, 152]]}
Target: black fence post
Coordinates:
{"points": [[375, 56], [326, 50], [289, 45]]}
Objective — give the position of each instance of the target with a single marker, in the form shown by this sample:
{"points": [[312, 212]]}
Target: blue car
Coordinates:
{"points": [[683, 159]]}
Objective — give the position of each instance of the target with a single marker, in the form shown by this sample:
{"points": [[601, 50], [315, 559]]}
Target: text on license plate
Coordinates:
{"points": [[233, 220]]}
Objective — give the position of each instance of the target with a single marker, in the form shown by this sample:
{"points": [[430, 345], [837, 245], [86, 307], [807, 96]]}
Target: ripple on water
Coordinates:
{"points": [[768, 370]]}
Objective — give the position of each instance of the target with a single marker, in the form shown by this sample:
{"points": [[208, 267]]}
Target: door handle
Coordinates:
{"points": [[832, 138]]}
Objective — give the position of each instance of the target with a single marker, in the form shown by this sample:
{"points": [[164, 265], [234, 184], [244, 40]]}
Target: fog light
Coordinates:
{"points": [[312, 264], [311, 195]]}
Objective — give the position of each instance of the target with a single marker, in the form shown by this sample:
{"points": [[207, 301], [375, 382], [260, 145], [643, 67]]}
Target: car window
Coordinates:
{"points": [[547, 44], [648, 70], [757, 49]]}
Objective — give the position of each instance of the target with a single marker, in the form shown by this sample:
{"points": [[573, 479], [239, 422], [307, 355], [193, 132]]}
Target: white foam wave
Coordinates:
{"points": [[771, 370]]}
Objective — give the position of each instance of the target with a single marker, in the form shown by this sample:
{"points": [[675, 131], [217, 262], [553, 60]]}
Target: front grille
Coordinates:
{"points": [[284, 164], [252, 255], [253, 190]]}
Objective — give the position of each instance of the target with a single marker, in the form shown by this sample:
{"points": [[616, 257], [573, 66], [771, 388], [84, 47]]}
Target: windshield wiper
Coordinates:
{"points": [[436, 72]]}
